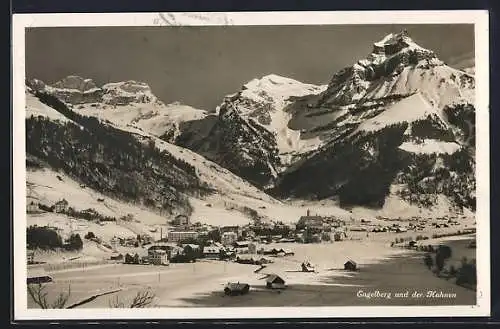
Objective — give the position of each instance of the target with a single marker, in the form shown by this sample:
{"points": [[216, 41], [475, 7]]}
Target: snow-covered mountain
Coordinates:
{"points": [[250, 133], [122, 103], [396, 127], [403, 124], [399, 66], [128, 165], [117, 169]]}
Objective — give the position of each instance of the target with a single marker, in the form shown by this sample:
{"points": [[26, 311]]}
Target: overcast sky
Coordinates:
{"points": [[198, 66]]}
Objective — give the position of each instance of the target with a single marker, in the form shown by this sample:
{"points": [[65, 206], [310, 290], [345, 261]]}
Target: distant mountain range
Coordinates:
{"points": [[396, 124]]}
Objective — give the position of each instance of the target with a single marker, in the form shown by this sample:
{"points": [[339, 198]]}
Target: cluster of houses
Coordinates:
{"points": [[155, 256], [234, 241], [425, 219], [33, 206], [163, 253], [417, 225], [132, 241]]}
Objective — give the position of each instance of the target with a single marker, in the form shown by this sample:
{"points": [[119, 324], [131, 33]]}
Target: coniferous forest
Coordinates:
{"points": [[112, 161]]}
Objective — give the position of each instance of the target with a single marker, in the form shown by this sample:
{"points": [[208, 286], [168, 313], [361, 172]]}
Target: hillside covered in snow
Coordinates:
{"points": [[394, 128]]}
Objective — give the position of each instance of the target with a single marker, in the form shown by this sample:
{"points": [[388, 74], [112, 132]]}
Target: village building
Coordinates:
{"points": [[241, 247], [115, 242], [30, 256], [219, 245], [194, 247], [310, 222], [245, 259], [132, 259], [228, 238], [252, 248], [181, 220], [31, 206], [116, 256], [158, 257], [177, 236], [273, 281], [336, 223], [236, 229], [211, 252], [170, 249], [339, 236], [61, 206], [233, 289]]}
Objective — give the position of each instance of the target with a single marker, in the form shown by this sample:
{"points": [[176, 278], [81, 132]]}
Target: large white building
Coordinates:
{"points": [[158, 257], [177, 236]]}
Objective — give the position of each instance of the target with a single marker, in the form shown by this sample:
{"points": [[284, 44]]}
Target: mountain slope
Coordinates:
{"points": [[111, 161], [89, 155]]}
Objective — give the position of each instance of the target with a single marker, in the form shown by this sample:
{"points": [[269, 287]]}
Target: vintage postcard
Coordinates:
{"points": [[251, 165]]}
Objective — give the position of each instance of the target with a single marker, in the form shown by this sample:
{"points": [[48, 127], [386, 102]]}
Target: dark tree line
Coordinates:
{"points": [[463, 116], [350, 171], [48, 239], [459, 186]]}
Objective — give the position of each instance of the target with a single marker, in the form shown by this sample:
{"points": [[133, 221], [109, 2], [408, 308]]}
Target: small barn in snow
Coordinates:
{"points": [[273, 281], [350, 265]]}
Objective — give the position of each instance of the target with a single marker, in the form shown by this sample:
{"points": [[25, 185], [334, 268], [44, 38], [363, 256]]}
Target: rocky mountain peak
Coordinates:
{"points": [[125, 92], [75, 82], [74, 89], [398, 66]]}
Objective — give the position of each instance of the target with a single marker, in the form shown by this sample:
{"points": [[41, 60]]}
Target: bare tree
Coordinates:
{"points": [[38, 294], [142, 299]]}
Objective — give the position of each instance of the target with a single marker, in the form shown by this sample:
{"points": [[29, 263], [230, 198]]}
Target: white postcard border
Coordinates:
{"points": [[477, 17]]}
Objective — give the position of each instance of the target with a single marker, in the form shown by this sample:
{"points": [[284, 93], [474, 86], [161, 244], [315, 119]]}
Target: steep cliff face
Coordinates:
{"points": [[242, 146]]}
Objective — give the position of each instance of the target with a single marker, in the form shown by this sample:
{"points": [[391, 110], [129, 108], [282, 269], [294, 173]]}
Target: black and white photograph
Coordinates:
{"points": [[216, 165]]}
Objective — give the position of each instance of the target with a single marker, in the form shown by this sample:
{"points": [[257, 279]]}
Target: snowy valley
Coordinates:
{"points": [[391, 135]]}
